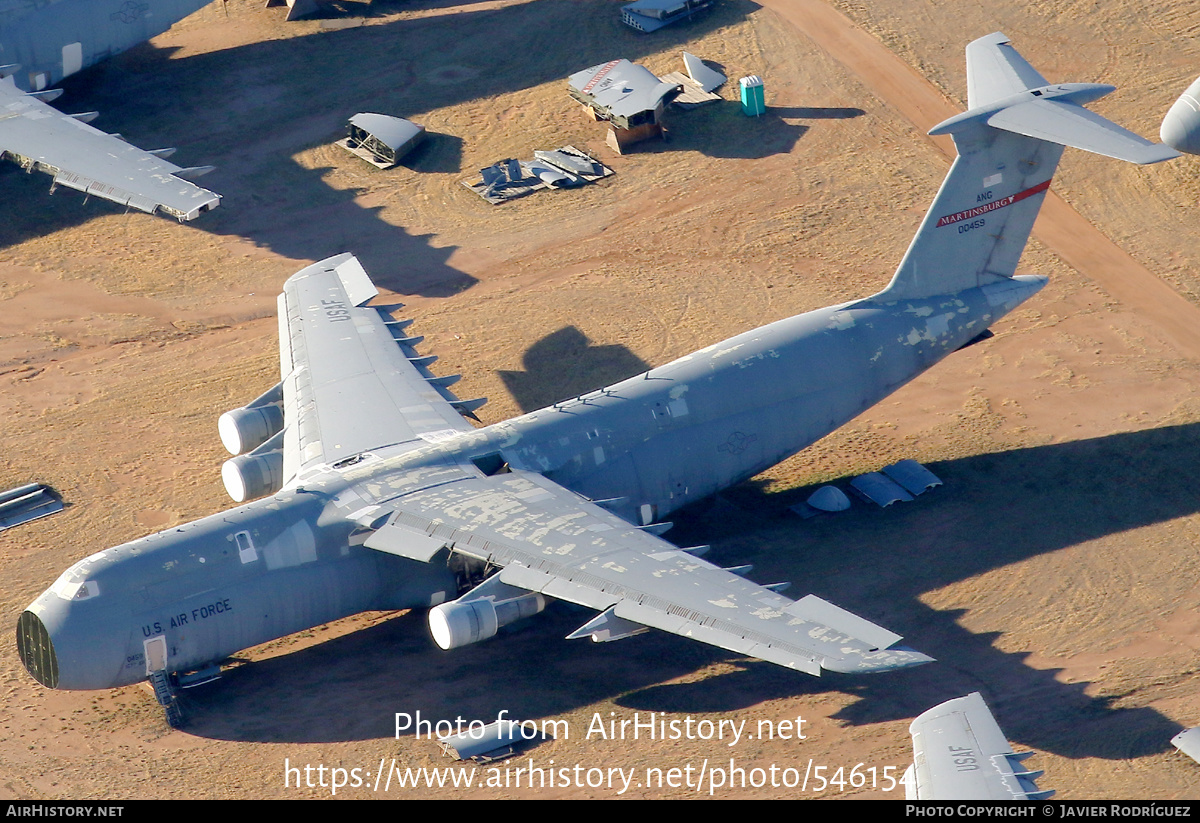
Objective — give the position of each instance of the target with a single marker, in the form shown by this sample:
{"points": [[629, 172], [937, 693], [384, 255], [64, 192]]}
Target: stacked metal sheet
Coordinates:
{"points": [[562, 168]]}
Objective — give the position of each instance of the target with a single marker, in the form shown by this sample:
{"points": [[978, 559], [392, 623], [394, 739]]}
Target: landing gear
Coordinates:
{"points": [[165, 694]]}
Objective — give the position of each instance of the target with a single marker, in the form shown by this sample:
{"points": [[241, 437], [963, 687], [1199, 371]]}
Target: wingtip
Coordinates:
{"points": [[880, 661]]}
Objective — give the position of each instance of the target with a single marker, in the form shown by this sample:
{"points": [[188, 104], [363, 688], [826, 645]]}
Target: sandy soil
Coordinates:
{"points": [[1055, 571]]}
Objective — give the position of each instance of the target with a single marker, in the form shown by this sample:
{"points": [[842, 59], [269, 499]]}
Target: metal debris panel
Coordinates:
{"points": [[708, 79], [25, 503], [1188, 742], [495, 741], [915, 478], [652, 15], [824, 499], [566, 167], [620, 91], [693, 94], [380, 139], [879, 489]]}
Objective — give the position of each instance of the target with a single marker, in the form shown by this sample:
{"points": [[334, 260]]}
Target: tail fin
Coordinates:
{"points": [[1009, 143]]}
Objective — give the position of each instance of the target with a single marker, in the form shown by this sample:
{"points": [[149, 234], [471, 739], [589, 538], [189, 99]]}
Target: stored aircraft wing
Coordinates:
{"points": [[41, 138], [43, 42]]}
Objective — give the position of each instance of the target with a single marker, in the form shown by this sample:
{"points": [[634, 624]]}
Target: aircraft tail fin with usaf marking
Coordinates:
{"points": [[1009, 143]]}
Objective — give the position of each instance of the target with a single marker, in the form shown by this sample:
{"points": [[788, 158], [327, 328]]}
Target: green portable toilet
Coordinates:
{"points": [[753, 100]]}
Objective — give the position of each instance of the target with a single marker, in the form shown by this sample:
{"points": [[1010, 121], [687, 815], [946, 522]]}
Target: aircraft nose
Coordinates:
{"points": [[37, 649], [74, 645]]}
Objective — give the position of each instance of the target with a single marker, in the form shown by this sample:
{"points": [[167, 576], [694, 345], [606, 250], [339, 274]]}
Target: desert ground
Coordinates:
{"points": [[1057, 571]]}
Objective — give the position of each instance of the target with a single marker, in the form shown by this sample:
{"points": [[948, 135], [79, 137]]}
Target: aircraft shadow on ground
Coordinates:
{"points": [[995, 510], [565, 364], [250, 109]]}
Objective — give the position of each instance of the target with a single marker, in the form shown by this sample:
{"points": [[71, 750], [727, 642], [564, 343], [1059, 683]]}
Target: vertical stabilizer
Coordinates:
{"points": [[1009, 144]]}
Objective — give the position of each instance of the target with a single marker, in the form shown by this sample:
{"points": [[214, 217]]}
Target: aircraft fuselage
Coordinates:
{"points": [[649, 445], [47, 42]]}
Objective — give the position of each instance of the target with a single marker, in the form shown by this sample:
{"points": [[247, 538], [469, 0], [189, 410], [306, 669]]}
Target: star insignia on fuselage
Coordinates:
{"points": [[130, 11], [737, 443]]}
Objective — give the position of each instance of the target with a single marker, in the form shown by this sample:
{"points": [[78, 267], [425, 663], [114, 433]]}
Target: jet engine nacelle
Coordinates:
{"points": [[253, 475], [461, 623], [254, 424], [1181, 127]]}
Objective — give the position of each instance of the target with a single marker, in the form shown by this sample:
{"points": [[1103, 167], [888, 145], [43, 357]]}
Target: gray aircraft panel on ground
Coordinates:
{"points": [[41, 43], [378, 496]]}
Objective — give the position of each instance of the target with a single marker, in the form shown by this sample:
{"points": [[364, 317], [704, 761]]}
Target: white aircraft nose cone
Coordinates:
{"points": [[1181, 127]]}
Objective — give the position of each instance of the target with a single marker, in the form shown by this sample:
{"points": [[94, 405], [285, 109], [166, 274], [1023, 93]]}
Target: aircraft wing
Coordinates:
{"points": [[38, 136], [549, 540], [961, 754], [352, 379]]}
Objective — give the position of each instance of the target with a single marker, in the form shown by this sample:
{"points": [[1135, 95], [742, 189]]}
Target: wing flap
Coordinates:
{"points": [[816, 610], [39, 137], [404, 542], [551, 586]]}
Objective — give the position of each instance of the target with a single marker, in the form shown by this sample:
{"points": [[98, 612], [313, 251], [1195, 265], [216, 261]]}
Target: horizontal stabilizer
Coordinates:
{"points": [[1070, 124]]}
